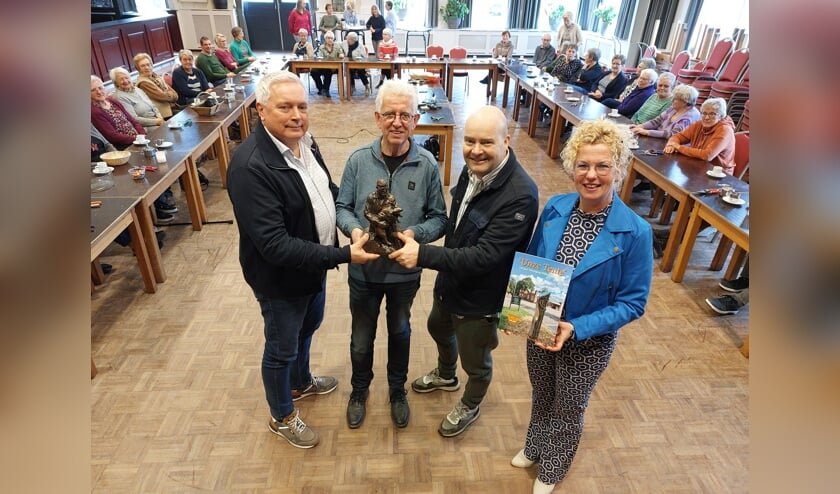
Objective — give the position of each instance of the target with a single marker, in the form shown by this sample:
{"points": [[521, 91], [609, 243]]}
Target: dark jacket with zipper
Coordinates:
{"points": [[474, 263], [279, 248], [611, 283]]}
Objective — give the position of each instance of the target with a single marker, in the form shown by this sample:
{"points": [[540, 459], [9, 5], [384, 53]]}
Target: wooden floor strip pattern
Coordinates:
{"points": [[178, 405]]}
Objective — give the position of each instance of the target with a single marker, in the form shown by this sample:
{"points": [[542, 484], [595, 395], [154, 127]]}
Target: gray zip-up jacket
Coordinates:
{"points": [[417, 188]]}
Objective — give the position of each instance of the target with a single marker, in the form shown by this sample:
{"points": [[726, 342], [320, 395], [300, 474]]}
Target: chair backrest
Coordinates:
{"points": [[650, 52], [718, 56], [680, 62], [745, 78], [458, 52], [434, 50], [735, 65], [742, 153], [167, 77]]}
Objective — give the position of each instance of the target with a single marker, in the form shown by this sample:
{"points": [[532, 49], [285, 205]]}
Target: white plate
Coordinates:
{"points": [[715, 175], [613, 115], [572, 98], [174, 125], [737, 202], [138, 143], [108, 169], [164, 145]]}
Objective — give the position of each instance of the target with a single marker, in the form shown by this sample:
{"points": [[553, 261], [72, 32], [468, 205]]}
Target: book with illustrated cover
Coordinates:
{"points": [[534, 298]]}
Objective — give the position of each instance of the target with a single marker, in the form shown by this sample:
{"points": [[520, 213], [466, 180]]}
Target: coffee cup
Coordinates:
{"points": [[614, 112], [159, 142], [734, 195], [717, 170], [101, 166], [141, 139]]}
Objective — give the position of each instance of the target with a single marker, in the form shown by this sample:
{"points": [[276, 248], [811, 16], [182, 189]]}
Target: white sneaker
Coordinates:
{"points": [[521, 461], [540, 488]]}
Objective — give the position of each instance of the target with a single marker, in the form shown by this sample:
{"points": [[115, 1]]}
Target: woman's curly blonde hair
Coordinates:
{"points": [[599, 132]]}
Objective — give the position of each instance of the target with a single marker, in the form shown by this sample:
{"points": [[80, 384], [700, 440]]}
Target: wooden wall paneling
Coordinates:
{"points": [[136, 41], [112, 50], [160, 43]]}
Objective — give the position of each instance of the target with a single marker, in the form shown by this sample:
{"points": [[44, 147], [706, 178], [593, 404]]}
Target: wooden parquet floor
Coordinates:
{"points": [[178, 405]]}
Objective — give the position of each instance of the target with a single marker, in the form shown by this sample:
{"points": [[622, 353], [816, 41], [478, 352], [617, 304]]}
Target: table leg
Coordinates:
{"points": [[97, 276], [627, 186], [449, 72], [93, 370], [447, 154], [494, 72], [745, 348], [687, 244], [244, 123], [194, 196], [221, 148], [144, 263], [535, 115], [677, 230], [505, 89], [735, 263], [144, 219], [516, 90], [656, 202], [340, 82], [721, 253], [558, 123]]}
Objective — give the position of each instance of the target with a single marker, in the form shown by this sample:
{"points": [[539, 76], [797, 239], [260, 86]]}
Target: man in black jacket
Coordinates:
{"points": [[494, 208], [284, 202]]}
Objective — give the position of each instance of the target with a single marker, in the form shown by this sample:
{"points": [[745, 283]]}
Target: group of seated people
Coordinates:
{"points": [[653, 102], [138, 107]]}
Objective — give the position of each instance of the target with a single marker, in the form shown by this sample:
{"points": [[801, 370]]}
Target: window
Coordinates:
{"points": [[548, 6], [415, 14], [150, 6], [737, 15], [489, 15]]}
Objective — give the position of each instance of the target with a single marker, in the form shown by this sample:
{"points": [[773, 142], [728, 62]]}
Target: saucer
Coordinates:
{"points": [[164, 145], [568, 91], [101, 171], [175, 125], [735, 202], [141, 143], [613, 115], [715, 175], [634, 147], [572, 98]]}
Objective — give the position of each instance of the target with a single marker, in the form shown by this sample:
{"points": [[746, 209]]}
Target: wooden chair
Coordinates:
{"points": [[460, 52]]}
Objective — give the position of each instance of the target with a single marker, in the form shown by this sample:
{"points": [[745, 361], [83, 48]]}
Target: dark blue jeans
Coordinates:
{"points": [[365, 300], [289, 325]]}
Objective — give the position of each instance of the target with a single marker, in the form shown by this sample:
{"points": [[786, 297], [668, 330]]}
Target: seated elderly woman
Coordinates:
{"points": [[559, 57], [658, 101], [567, 70], [645, 86], [134, 100], [674, 119], [239, 47], [588, 77], [354, 50], [119, 128], [188, 80], [110, 117], [387, 48], [303, 48], [712, 138], [613, 83], [225, 56], [632, 82], [155, 87], [330, 50]]}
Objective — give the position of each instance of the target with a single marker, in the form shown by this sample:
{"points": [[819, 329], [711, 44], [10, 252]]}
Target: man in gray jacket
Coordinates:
{"points": [[414, 180]]}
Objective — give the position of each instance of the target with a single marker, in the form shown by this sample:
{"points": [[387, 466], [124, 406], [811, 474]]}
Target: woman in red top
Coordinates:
{"points": [[387, 48], [299, 18], [110, 117]]}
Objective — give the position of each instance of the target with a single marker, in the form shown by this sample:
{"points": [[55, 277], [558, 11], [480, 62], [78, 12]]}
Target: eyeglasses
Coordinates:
{"points": [[390, 116], [709, 114], [601, 169]]}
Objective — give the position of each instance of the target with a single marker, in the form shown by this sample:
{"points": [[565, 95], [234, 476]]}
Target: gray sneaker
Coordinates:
{"points": [[294, 430], [433, 381], [457, 420], [318, 386]]}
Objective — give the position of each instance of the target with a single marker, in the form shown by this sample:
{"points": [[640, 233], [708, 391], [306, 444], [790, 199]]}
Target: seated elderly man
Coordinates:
{"points": [[646, 84], [711, 139]]}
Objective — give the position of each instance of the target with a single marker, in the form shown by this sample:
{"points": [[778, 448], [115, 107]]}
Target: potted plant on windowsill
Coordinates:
{"points": [[453, 12], [606, 16], [555, 15], [401, 8]]}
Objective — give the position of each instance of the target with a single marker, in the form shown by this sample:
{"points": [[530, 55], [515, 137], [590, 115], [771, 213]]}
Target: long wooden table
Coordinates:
{"points": [[440, 122], [108, 221], [299, 66], [456, 64]]}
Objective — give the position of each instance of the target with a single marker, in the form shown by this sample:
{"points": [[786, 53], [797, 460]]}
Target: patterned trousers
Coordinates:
{"points": [[562, 383]]}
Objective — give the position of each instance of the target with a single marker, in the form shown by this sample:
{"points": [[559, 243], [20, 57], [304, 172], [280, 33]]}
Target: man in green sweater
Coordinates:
{"points": [[210, 64]]}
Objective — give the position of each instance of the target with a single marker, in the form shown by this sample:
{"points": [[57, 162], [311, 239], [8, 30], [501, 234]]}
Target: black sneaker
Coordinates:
{"points": [[166, 204], [163, 218], [735, 286], [725, 304], [642, 186], [486, 80], [400, 410], [205, 183], [432, 381]]}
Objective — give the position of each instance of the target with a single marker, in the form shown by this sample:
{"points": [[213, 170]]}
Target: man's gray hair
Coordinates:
{"points": [[394, 87], [263, 90]]}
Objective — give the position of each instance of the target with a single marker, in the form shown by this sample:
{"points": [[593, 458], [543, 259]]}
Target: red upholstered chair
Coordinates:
{"points": [[437, 51], [680, 62], [742, 154], [731, 72], [460, 52], [167, 77], [647, 52], [744, 121], [734, 93], [711, 66]]}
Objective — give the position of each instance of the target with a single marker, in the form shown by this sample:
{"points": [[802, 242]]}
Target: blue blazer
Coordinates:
{"points": [[610, 286]]}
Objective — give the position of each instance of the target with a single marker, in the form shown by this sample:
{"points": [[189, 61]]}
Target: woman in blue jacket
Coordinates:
{"points": [[610, 247]]}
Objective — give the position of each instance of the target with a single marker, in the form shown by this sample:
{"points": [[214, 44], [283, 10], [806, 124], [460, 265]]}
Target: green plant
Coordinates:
{"points": [[555, 12], [400, 4], [454, 9], [606, 14]]}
